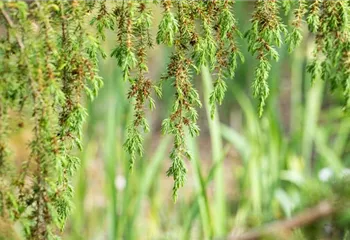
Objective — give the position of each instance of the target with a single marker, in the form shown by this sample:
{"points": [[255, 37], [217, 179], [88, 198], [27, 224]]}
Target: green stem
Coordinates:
{"points": [[216, 141]]}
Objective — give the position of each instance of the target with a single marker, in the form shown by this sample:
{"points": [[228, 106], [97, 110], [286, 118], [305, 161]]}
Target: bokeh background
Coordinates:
{"points": [[246, 170]]}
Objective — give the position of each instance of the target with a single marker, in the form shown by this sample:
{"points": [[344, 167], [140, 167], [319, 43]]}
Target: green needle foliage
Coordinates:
{"points": [[329, 20], [48, 59], [49, 56], [183, 113], [294, 38], [134, 39], [263, 38]]}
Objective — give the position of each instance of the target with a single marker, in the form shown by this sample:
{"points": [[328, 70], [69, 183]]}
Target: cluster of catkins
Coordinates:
{"points": [[49, 58]]}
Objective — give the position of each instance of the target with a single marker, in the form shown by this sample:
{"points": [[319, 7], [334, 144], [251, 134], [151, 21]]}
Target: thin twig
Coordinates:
{"points": [[323, 209]]}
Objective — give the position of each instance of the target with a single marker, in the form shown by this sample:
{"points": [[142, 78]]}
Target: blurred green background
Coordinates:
{"points": [[246, 170]]}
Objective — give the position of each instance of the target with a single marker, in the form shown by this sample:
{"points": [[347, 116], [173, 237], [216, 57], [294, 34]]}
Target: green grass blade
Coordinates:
{"points": [[217, 148]]}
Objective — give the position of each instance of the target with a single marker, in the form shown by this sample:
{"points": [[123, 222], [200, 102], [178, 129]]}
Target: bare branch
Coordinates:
{"points": [[323, 209]]}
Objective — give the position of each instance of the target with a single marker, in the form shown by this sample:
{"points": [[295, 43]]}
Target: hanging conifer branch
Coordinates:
{"points": [[329, 20], [54, 66], [168, 26], [141, 85], [227, 51], [124, 52], [263, 37], [183, 114], [49, 62], [6, 102], [294, 38], [204, 46]]}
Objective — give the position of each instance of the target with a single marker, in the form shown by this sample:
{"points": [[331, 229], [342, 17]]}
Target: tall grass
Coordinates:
{"points": [[217, 149]]}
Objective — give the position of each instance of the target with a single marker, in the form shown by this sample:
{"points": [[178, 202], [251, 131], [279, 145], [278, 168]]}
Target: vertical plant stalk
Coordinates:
{"points": [[110, 168], [296, 78], [217, 148], [202, 202]]}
